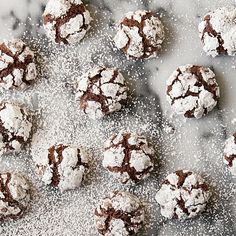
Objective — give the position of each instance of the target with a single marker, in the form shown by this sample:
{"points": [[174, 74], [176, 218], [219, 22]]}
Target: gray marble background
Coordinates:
{"points": [[193, 144]]}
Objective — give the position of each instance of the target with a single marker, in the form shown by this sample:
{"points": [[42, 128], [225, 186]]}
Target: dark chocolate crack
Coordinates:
{"points": [[148, 48], [11, 202], [89, 95], [211, 88], [17, 64], [112, 214], [73, 11], [212, 33], [134, 175]]}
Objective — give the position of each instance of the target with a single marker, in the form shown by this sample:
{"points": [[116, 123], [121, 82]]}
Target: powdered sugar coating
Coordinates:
{"points": [[15, 127], [66, 22], [14, 195], [218, 32], [63, 166], [101, 91], [128, 157], [230, 154], [183, 195], [192, 91], [121, 213], [17, 65], [140, 34]]}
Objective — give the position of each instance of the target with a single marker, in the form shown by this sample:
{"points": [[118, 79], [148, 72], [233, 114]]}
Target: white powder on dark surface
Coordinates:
{"points": [[61, 121]]}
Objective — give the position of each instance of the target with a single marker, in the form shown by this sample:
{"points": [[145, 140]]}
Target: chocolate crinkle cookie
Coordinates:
{"points": [[121, 213], [15, 127], [101, 91], [17, 65], [192, 91], [66, 21], [183, 195], [140, 34], [15, 195], [62, 166], [230, 154], [217, 32], [128, 157]]}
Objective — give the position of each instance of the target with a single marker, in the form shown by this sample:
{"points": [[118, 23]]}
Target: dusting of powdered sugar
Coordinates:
{"points": [[217, 32], [230, 154], [66, 21], [140, 34], [192, 91]]}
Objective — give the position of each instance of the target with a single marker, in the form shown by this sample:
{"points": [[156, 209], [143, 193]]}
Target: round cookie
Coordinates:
{"points": [[15, 127], [121, 213], [192, 91], [62, 166], [14, 195], [101, 91], [183, 195], [128, 157], [140, 34], [17, 65], [217, 32], [66, 21], [230, 154]]}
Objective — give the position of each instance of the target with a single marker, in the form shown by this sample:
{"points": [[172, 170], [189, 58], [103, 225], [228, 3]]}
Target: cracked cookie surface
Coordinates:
{"points": [[140, 34], [66, 21], [217, 32], [17, 65], [230, 154], [121, 213], [128, 157], [192, 91], [62, 166], [15, 127], [101, 91], [183, 195], [14, 195]]}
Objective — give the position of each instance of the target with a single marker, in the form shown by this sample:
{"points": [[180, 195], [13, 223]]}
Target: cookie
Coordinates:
{"points": [[192, 91], [62, 166], [101, 91], [15, 195], [128, 157], [15, 127], [140, 35], [121, 213], [217, 32], [17, 65], [183, 195], [230, 154], [66, 21]]}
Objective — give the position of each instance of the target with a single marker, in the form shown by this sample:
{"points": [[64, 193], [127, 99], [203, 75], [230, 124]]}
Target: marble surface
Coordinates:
{"points": [[193, 144]]}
